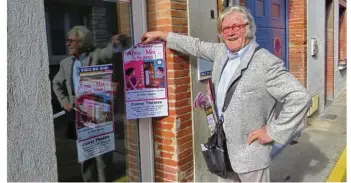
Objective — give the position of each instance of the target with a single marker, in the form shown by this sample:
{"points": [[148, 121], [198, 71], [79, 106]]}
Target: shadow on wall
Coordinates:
{"points": [[297, 161]]}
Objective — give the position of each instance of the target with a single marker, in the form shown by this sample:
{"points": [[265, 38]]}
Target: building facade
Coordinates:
{"points": [[308, 35]]}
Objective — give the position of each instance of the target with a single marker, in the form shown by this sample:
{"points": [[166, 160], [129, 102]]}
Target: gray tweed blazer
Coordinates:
{"points": [[264, 82]]}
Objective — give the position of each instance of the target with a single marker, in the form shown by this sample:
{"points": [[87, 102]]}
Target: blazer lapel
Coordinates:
{"points": [[244, 62]]}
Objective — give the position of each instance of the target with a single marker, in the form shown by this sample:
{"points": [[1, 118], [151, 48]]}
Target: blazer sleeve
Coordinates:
{"points": [[192, 46], [58, 86], [284, 87], [104, 55]]}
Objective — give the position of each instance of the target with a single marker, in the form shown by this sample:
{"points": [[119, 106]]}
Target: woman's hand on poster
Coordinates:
{"points": [[148, 37]]}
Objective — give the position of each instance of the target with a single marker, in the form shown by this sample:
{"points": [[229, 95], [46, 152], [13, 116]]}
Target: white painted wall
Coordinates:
{"points": [[31, 143], [201, 26], [316, 64]]}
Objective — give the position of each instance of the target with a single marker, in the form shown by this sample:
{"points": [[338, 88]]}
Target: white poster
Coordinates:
{"points": [[95, 146], [94, 112]]}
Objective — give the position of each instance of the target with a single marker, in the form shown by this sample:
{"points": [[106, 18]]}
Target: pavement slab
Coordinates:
{"points": [[318, 149]]}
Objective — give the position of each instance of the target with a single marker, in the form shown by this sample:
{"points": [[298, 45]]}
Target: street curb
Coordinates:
{"points": [[338, 174]]}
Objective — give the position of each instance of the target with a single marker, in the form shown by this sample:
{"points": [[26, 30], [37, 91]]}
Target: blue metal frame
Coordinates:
{"points": [[287, 34]]}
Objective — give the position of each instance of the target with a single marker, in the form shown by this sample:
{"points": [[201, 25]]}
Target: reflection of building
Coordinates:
{"points": [[167, 147]]}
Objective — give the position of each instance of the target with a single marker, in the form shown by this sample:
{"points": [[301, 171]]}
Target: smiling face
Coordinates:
{"points": [[233, 31]]}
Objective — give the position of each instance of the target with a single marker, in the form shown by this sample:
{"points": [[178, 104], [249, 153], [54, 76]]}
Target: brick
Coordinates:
{"points": [[186, 166], [177, 73], [163, 5], [163, 141], [186, 139], [163, 126], [186, 145], [166, 162], [179, 103], [178, 5], [182, 132], [184, 117], [179, 96], [169, 119], [164, 168], [186, 124], [162, 133], [178, 65], [179, 13], [186, 159], [180, 21], [179, 81], [185, 153], [179, 89], [166, 148], [133, 166], [165, 155], [179, 110]]}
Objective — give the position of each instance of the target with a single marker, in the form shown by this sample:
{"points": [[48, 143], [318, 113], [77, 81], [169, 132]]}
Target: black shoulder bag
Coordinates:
{"points": [[215, 150]]}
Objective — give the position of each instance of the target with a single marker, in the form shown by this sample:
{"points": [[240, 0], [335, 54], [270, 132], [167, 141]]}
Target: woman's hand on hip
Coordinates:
{"points": [[260, 135]]}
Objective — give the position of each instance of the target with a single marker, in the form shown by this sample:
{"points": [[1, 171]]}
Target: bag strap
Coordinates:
{"points": [[232, 88]]}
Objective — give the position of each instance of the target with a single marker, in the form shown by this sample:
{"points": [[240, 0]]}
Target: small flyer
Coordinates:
{"points": [[145, 81], [204, 101], [94, 112]]}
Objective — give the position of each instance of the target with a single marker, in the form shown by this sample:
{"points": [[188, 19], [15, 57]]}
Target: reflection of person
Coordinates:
{"points": [[82, 53], [160, 71], [131, 79], [265, 81], [120, 43]]}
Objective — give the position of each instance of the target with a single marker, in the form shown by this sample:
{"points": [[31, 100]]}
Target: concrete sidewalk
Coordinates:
{"points": [[318, 149]]}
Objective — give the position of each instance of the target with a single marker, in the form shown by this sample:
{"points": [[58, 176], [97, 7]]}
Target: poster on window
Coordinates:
{"points": [[94, 112], [145, 81]]}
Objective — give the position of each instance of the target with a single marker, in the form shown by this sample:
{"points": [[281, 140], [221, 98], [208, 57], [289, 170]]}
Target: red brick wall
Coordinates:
{"points": [[132, 151], [329, 70], [123, 16], [342, 36], [298, 39], [173, 134]]}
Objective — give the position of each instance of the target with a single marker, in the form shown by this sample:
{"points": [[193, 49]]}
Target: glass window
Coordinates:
{"points": [[108, 21], [260, 8], [275, 10]]}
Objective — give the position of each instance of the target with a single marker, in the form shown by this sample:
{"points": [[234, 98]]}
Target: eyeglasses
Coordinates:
{"points": [[234, 28], [70, 41]]}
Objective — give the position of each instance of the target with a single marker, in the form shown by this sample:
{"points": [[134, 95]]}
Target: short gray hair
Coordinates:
{"points": [[84, 37], [250, 30]]}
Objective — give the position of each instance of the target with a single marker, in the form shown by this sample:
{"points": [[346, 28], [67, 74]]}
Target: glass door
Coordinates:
{"points": [[117, 22]]}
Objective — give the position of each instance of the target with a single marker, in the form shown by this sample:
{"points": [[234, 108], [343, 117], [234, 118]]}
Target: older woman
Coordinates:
{"points": [[82, 53], [263, 81]]}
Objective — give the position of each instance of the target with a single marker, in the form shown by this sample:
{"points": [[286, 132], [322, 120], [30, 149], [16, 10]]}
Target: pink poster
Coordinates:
{"points": [[145, 81]]}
